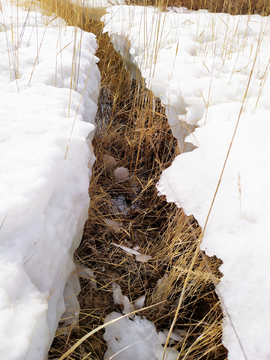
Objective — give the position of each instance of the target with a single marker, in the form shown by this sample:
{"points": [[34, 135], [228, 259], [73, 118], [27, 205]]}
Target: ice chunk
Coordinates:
{"points": [[117, 294], [143, 258], [121, 174], [109, 160], [71, 291], [128, 308], [128, 250], [113, 224], [120, 299], [139, 303], [130, 339]]}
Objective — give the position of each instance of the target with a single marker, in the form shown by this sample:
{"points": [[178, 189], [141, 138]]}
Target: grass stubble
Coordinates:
{"points": [[133, 132]]}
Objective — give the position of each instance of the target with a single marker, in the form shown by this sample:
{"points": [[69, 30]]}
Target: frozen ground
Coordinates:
{"points": [[48, 84], [211, 73]]}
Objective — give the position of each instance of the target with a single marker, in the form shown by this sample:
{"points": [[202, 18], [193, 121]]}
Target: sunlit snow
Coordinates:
{"points": [[48, 84], [134, 337], [211, 70]]}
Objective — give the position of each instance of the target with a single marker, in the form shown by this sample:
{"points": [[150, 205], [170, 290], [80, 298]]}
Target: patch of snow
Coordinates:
{"points": [[133, 337], [48, 104]]}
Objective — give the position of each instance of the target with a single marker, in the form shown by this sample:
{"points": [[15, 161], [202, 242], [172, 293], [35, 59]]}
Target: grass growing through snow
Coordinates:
{"points": [[134, 134]]}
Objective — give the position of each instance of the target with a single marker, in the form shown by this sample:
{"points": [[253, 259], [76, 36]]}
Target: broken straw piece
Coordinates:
{"points": [[128, 250], [138, 256]]}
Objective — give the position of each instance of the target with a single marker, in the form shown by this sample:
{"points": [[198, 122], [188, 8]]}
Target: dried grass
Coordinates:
{"points": [[133, 132]]}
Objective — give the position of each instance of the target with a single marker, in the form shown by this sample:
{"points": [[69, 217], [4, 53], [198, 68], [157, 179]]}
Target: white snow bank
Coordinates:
{"points": [[48, 85], [200, 65]]}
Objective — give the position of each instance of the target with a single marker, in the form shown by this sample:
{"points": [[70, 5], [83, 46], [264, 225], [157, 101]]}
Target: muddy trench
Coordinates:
{"points": [[133, 134]]}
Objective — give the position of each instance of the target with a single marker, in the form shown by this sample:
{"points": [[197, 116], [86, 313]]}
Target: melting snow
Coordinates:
{"points": [[210, 70]]}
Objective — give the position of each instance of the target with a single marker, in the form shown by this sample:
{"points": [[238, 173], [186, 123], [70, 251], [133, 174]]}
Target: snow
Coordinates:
{"points": [[134, 337], [211, 73], [48, 103]]}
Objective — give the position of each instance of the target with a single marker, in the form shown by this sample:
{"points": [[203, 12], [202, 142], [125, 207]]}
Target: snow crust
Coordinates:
{"points": [[210, 70], [48, 85]]}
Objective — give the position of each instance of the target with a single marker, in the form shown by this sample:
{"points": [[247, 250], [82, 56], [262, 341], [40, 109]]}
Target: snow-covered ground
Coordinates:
{"points": [[211, 73], [49, 88]]}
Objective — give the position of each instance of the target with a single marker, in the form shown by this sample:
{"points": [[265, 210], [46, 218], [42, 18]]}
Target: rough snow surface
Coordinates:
{"points": [[210, 70], [48, 85], [134, 337]]}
